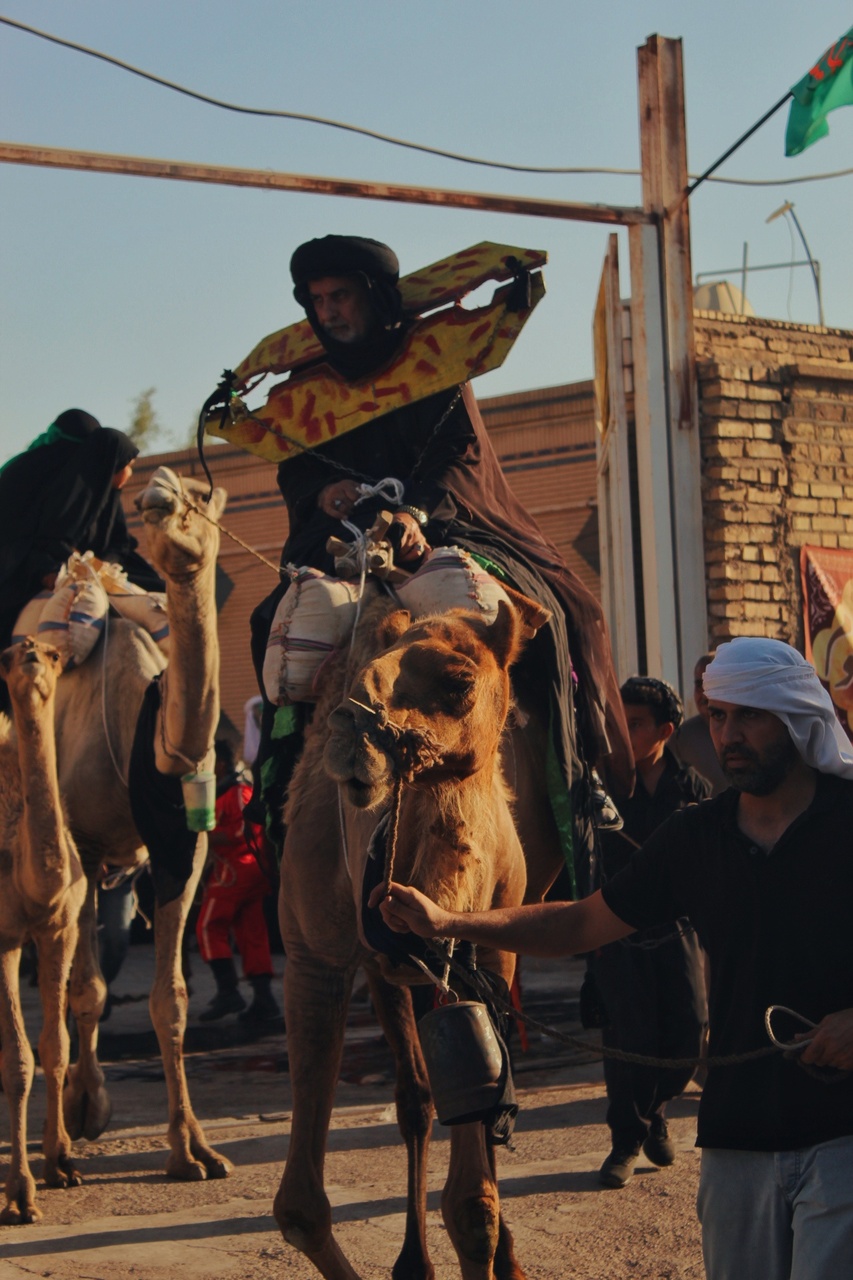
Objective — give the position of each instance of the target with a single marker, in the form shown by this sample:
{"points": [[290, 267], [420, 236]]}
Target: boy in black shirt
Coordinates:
{"points": [[652, 984]]}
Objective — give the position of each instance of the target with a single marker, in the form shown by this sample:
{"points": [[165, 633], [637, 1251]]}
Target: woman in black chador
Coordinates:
{"points": [[62, 495]]}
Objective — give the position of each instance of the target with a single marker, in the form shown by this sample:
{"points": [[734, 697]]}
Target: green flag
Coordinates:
{"points": [[828, 85]]}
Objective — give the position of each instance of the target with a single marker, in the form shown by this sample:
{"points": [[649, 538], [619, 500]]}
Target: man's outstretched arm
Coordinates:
{"points": [[541, 929]]}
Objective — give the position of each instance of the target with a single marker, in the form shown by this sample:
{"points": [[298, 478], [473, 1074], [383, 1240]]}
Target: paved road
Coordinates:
{"points": [[129, 1220]]}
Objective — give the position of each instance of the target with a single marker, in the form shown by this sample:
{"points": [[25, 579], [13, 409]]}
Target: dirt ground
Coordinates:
{"points": [[129, 1220]]}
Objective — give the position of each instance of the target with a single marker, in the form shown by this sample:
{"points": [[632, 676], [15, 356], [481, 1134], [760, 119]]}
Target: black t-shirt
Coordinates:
{"points": [[778, 929], [678, 787]]}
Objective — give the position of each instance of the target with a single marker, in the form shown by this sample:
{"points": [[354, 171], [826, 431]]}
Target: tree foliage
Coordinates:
{"points": [[144, 426]]}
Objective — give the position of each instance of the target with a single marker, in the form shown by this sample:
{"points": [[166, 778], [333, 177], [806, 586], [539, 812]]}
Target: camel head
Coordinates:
{"points": [[31, 671], [180, 540], [430, 707]]}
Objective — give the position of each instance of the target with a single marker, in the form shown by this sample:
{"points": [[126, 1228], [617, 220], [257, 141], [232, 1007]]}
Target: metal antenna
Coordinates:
{"points": [[788, 208]]}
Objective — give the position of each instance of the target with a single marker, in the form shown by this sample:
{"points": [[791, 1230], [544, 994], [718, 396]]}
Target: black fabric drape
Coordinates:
{"points": [[450, 470], [60, 499]]}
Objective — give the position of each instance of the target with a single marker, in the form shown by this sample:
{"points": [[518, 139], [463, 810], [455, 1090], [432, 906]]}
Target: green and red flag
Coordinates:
{"points": [[828, 85]]}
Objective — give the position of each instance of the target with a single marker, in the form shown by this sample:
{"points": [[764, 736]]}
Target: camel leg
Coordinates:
{"points": [[316, 996], [523, 755], [507, 1266], [86, 1103], [55, 954], [469, 1202], [18, 1067], [393, 1006], [192, 1158]]}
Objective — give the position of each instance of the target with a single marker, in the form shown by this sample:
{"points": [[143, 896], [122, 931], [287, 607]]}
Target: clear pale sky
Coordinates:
{"points": [[110, 285]]}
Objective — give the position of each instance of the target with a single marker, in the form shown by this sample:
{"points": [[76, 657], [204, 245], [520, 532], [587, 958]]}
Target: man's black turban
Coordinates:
{"points": [[343, 256], [380, 269]]}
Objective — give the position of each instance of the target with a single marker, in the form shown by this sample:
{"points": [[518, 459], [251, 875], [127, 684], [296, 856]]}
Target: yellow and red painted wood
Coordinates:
{"points": [[444, 347]]}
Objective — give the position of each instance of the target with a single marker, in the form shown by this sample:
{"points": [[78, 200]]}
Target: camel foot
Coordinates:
{"points": [[215, 1165], [185, 1169], [21, 1208], [60, 1172], [87, 1114]]}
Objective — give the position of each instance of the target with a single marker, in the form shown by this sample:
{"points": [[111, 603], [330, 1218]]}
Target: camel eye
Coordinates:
{"points": [[457, 687]]}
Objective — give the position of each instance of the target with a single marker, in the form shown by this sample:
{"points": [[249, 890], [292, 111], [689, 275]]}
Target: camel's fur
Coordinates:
{"points": [[42, 888], [457, 841], [98, 706]]}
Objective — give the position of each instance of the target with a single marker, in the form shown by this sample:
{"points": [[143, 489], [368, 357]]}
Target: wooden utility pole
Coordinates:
{"points": [[668, 449]]}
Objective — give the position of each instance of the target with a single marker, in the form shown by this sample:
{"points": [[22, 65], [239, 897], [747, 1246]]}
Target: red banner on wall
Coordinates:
{"points": [[827, 577]]}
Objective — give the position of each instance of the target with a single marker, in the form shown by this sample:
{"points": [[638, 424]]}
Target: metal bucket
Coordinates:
{"points": [[463, 1060]]}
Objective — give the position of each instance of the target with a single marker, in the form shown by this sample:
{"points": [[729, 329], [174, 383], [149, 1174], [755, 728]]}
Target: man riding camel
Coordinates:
{"points": [[454, 493]]}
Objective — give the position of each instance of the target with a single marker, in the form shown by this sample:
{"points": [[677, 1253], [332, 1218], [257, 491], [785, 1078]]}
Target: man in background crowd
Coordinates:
{"points": [[692, 744], [651, 985]]}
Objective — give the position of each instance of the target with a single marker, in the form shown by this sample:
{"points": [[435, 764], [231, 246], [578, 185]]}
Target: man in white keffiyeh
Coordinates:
{"points": [[765, 874], [768, 675]]}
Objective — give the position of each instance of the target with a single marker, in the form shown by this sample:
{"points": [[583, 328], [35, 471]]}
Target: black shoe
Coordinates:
{"points": [[618, 1168], [260, 1011], [263, 1007], [223, 1003], [658, 1145]]}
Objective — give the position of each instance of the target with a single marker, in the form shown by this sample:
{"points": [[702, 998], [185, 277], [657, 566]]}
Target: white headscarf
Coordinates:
{"points": [[773, 676]]}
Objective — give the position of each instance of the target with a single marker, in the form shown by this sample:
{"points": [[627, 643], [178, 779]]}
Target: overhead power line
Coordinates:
{"points": [[374, 134]]}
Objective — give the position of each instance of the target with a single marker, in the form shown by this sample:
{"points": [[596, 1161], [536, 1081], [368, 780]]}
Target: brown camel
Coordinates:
{"points": [[442, 682], [98, 705], [42, 888]]}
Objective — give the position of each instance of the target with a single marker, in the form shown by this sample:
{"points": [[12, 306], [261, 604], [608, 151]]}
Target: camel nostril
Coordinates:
{"points": [[341, 720]]}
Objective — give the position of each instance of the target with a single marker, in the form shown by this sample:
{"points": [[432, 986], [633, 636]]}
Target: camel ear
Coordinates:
{"points": [[504, 635], [392, 626], [533, 615], [216, 506]]}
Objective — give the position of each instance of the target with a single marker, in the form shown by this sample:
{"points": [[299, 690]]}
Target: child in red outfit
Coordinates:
{"points": [[233, 904]]}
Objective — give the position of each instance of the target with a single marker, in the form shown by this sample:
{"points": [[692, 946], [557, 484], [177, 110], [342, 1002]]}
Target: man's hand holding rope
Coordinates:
{"points": [[338, 500], [831, 1042], [539, 929]]}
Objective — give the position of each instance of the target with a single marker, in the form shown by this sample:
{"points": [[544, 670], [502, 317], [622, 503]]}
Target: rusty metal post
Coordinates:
{"points": [[270, 180], [667, 429]]}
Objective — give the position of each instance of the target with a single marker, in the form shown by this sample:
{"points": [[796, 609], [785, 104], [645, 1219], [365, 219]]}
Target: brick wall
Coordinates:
{"points": [[776, 422]]}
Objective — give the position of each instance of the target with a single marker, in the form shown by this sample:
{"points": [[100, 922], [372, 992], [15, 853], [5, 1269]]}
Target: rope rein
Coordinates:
{"points": [[393, 831], [408, 748], [442, 951], [188, 501], [169, 748]]}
